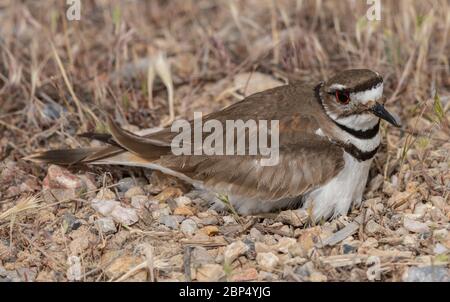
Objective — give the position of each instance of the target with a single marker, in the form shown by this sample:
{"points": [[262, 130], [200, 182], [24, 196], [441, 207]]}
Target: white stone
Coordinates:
{"points": [[104, 206], [284, 244], [415, 226], [183, 201], [267, 261], [124, 216], [440, 249], [229, 220], [188, 227], [234, 250], [74, 271], [106, 225], [138, 201]]}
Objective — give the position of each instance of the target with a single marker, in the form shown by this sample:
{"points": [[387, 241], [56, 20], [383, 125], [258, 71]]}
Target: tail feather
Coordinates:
{"points": [[144, 147], [120, 142], [63, 157]]}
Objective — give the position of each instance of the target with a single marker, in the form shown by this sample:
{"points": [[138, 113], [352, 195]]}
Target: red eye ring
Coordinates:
{"points": [[342, 97]]}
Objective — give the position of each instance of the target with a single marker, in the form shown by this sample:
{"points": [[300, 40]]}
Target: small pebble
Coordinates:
{"points": [[284, 244], [104, 206], [211, 220], [440, 234], [256, 235], [245, 275], [74, 271], [234, 250], [105, 194], [267, 261], [188, 227], [229, 220], [305, 270], [420, 210], [61, 178], [262, 247], [210, 273], [372, 228], [70, 222], [106, 225], [183, 201], [295, 218], [160, 212], [139, 201], [440, 249], [133, 191], [210, 230], [415, 226], [348, 248], [409, 240], [438, 201], [125, 216], [427, 274], [169, 221], [170, 192], [183, 211], [126, 183], [200, 255]]}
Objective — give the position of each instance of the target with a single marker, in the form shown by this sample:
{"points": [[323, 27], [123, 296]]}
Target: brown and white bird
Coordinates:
{"points": [[328, 136]]}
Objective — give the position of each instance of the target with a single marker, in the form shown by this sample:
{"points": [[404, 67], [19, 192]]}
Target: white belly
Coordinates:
{"points": [[335, 197]]}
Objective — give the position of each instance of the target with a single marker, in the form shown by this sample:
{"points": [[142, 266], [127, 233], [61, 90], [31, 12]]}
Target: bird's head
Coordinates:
{"points": [[354, 98]]}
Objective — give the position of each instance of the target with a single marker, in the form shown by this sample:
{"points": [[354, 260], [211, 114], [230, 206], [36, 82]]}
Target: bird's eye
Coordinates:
{"points": [[342, 97]]}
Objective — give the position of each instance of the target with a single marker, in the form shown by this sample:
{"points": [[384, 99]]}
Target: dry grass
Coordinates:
{"points": [[148, 62]]}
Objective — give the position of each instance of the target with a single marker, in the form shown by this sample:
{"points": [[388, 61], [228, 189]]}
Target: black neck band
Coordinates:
{"points": [[358, 154], [361, 134]]}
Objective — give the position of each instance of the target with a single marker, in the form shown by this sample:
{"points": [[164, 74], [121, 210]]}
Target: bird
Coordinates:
{"points": [[329, 133]]}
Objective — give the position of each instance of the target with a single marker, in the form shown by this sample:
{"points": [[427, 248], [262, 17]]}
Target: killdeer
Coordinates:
{"points": [[328, 137]]}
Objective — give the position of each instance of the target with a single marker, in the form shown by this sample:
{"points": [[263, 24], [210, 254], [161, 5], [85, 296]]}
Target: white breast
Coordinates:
{"points": [[335, 197]]}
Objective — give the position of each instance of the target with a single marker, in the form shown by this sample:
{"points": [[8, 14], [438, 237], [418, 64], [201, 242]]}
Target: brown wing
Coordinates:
{"points": [[293, 105], [301, 167]]}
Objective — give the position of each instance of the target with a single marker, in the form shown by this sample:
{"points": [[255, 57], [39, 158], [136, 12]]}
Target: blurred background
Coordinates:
{"points": [[148, 62]]}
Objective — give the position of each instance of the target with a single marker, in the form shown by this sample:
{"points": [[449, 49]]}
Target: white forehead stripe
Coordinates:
{"points": [[338, 87], [368, 95]]}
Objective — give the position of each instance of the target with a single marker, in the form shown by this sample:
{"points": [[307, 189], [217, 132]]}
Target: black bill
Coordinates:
{"points": [[381, 112]]}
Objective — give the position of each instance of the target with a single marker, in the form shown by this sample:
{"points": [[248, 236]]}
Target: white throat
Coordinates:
{"points": [[361, 122]]}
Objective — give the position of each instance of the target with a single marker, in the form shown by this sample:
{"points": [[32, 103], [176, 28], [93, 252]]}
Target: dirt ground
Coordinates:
{"points": [[145, 62]]}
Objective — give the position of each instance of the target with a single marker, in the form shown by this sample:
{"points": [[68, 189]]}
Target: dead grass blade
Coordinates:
{"points": [[26, 203]]}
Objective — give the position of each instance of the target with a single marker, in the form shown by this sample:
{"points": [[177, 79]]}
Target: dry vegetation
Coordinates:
{"points": [[133, 60]]}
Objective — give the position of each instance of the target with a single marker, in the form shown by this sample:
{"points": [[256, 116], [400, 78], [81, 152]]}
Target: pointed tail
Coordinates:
{"points": [[120, 142]]}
